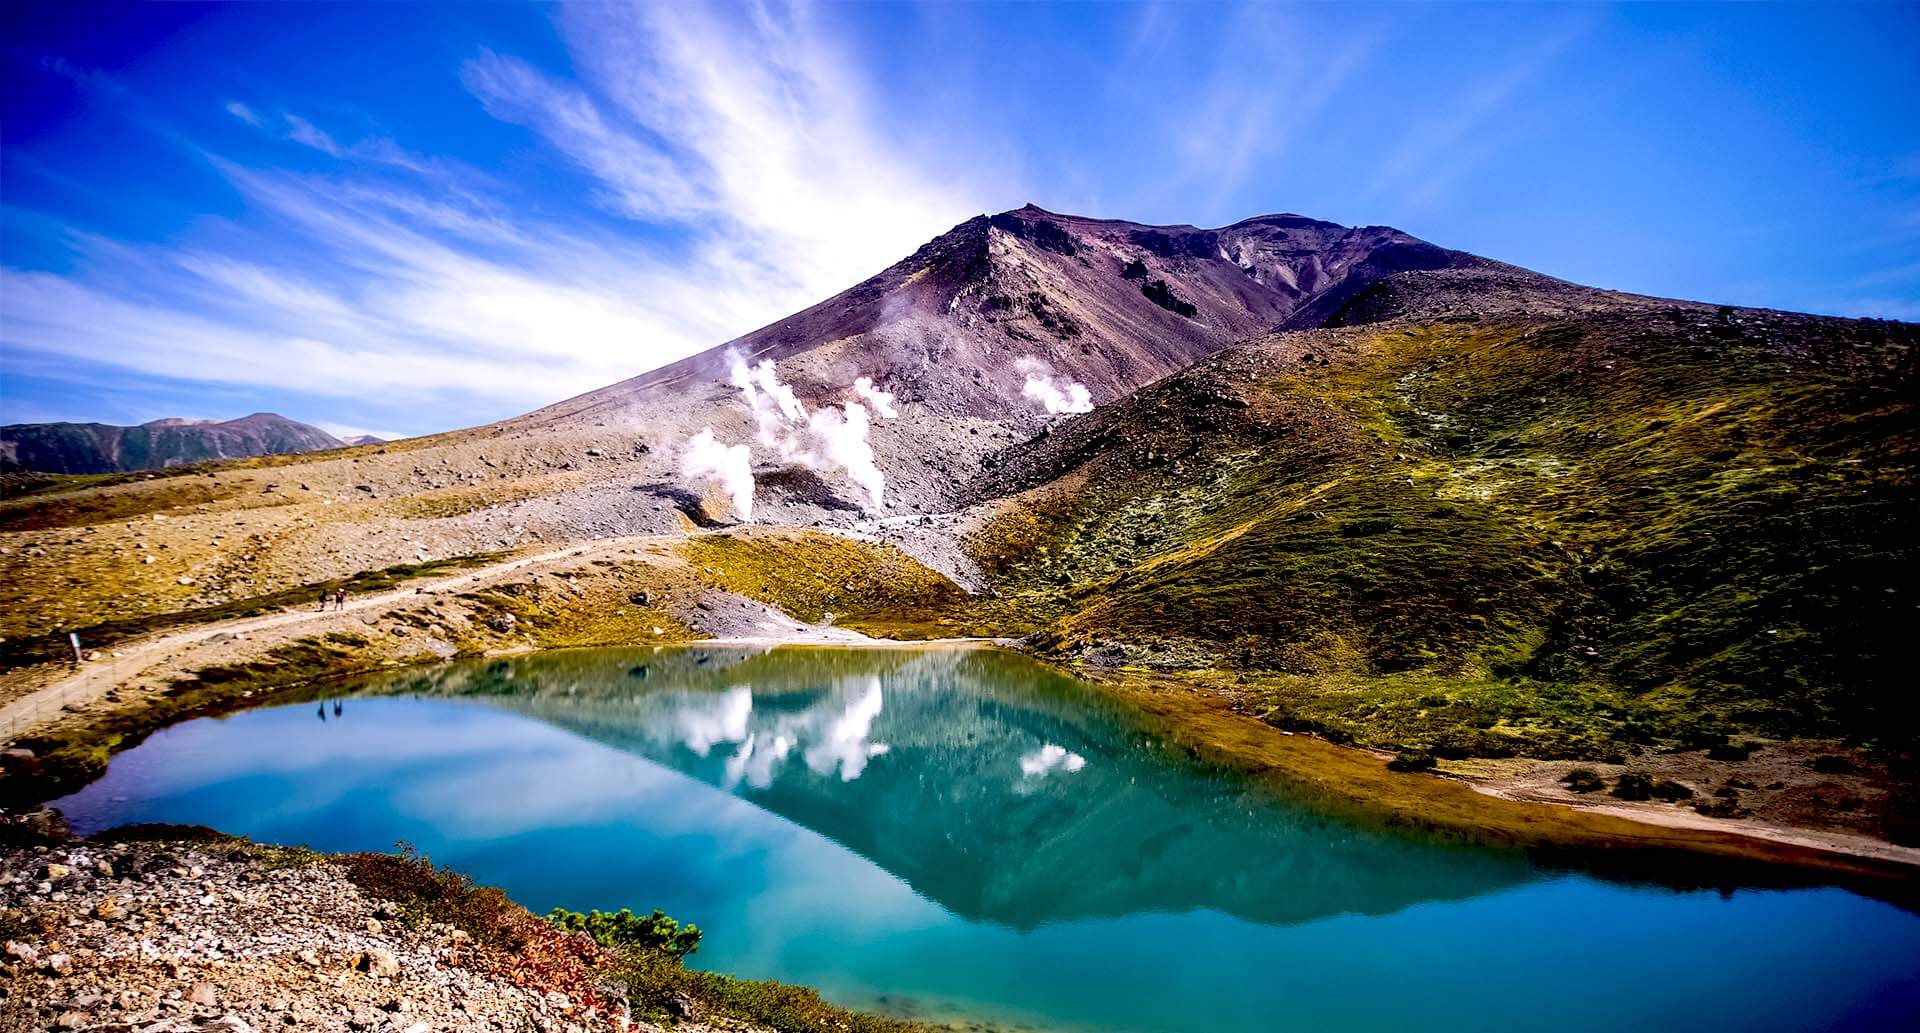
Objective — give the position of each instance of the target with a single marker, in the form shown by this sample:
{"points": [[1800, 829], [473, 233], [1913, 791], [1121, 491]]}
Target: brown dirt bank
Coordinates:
{"points": [[1609, 840]]}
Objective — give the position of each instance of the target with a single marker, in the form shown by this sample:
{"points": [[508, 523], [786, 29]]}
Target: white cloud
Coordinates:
{"points": [[347, 432], [1454, 139], [409, 282], [301, 131], [772, 141], [243, 113]]}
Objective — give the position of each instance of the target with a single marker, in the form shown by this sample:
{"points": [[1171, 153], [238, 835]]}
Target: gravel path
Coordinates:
{"points": [[84, 685]]}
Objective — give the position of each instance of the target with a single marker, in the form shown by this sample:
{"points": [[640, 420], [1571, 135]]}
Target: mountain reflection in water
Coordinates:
{"points": [[990, 784], [967, 835]]}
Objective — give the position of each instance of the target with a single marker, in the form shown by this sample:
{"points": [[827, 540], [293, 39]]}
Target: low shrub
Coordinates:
{"points": [[426, 893], [1633, 785], [1732, 751], [1411, 762], [1831, 765], [1671, 791], [1583, 780], [623, 930], [1726, 807]]}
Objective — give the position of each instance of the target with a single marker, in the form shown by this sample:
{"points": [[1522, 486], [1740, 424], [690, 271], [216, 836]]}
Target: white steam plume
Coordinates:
{"points": [[1054, 395], [841, 441], [882, 401], [824, 440], [729, 466], [774, 407]]}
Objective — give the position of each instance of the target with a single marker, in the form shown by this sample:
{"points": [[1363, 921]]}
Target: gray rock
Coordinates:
{"points": [[379, 961]]}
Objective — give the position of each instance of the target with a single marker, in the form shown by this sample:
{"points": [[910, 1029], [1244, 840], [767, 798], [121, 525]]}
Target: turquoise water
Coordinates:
{"points": [[964, 834]]}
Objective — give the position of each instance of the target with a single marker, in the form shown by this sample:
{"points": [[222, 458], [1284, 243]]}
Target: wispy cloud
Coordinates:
{"points": [[402, 282], [1451, 142], [1233, 130], [773, 139], [347, 431], [244, 113], [301, 131]]}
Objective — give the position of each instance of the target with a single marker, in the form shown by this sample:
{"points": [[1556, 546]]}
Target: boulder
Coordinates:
{"points": [[379, 961]]}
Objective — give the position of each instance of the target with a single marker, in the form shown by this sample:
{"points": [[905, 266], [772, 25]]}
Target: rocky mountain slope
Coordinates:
{"points": [[1109, 304], [1486, 520], [82, 448], [1105, 305]]}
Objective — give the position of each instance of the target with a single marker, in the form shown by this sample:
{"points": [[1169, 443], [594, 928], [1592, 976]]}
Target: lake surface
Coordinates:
{"points": [[965, 834]]}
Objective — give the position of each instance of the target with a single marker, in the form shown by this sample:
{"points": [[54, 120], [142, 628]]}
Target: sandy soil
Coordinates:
{"points": [[1780, 796]]}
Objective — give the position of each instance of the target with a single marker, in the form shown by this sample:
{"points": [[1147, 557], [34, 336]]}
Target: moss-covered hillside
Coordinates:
{"points": [[1649, 523]]}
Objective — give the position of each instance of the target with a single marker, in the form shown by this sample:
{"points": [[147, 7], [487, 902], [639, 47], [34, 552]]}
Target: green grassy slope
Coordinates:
{"points": [[1551, 537]]}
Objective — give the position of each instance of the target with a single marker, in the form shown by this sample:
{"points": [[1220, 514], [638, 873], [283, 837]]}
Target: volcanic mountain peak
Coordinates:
{"points": [[1105, 303]]}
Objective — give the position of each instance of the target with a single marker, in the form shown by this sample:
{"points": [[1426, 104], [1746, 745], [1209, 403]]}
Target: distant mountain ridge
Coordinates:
{"points": [[80, 448]]}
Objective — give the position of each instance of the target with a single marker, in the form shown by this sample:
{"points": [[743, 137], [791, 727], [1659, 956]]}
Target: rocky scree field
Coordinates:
{"points": [[174, 929]]}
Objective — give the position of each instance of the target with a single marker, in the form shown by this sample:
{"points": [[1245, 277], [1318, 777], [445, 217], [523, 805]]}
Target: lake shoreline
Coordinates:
{"points": [[1637, 843], [182, 927], [219, 667]]}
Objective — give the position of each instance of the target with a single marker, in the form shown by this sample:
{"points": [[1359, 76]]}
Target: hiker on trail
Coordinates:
{"points": [[340, 598], [323, 600], [336, 708], [323, 711]]}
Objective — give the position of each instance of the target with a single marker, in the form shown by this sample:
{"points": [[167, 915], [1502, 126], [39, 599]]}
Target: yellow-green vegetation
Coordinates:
{"points": [[871, 588], [62, 504], [32, 649], [622, 929], [1357, 787], [74, 753], [605, 602], [1581, 538]]}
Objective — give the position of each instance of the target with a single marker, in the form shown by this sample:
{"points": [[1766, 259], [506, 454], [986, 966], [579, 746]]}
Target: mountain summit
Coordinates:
{"points": [[990, 330], [1109, 304]]}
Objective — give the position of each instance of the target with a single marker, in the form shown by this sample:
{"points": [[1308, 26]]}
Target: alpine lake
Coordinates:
{"points": [[963, 835]]}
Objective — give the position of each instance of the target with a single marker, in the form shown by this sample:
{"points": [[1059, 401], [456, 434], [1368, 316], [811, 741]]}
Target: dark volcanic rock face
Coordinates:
{"points": [[1113, 305], [102, 448]]}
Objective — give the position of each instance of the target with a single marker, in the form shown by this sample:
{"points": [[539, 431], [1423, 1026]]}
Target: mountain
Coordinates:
{"points": [[1477, 496], [955, 330], [366, 439], [1112, 305], [74, 448]]}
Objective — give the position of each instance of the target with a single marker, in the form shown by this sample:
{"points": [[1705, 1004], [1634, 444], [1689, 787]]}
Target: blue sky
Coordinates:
{"points": [[407, 218]]}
